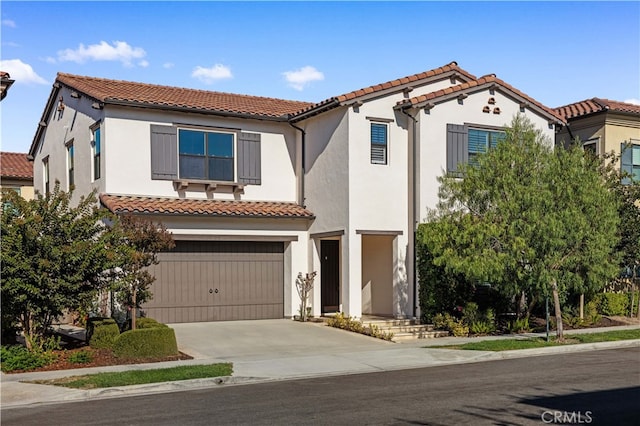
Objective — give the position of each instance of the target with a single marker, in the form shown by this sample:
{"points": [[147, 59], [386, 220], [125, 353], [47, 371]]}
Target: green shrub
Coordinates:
{"points": [[520, 325], [19, 358], [146, 343], [81, 357], [470, 313], [142, 322], [612, 303], [481, 327], [446, 322], [102, 333]]}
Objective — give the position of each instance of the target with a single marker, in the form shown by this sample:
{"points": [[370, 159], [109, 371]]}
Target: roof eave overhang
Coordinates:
{"points": [[43, 120], [220, 216], [132, 104], [429, 103]]}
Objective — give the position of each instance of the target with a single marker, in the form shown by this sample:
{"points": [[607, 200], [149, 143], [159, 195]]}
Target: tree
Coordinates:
{"points": [[53, 257], [142, 239], [528, 218]]}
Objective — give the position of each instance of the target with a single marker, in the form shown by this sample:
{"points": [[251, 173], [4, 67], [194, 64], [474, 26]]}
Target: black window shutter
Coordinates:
{"points": [[249, 167], [164, 152], [457, 147]]}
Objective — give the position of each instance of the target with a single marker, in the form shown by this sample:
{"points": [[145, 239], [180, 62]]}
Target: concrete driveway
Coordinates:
{"points": [[260, 339]]}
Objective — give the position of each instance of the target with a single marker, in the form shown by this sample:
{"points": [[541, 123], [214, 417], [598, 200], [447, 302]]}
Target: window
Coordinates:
{"points": [[378, 143], [591, 146], [465, 142], [206, 155], [70, 163], [96, 142], [630, 162], [45, 174], [480, 141]]}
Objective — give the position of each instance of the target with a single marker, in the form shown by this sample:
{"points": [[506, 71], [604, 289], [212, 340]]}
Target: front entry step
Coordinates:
{"points": [[404, 329]]}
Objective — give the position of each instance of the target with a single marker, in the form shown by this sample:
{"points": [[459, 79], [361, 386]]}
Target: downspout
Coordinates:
{"points": [[412, 213], [303, 166]]}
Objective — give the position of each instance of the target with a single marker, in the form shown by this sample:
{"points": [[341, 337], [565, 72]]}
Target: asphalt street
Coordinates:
{"points": [[600, 388]]}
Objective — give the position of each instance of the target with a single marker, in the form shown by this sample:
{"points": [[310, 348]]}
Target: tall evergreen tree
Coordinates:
{"points": [[528, 218]]}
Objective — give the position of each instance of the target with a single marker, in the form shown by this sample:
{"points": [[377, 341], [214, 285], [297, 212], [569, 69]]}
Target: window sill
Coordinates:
{"points": [[209, 185]]}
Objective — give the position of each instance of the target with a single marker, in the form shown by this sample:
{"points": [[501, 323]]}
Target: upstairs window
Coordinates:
{"points": [[590, 146], [480, 141], [70, 164], [206, 155], [379, 132], [45, 174], [466, 142], [630, 162], [96, 148]]}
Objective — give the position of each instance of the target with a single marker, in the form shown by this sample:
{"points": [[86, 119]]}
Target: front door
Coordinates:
{"points": [[330, 275]]}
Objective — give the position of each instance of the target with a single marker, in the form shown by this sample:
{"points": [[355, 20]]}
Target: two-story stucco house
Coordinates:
{"points": [[16, 174], [256, 190], [603, 126]]}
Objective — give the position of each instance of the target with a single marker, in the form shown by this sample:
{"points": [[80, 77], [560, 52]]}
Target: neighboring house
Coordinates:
{"points": [[604, 126], [5, 84], [16, 173], [256, 190]]}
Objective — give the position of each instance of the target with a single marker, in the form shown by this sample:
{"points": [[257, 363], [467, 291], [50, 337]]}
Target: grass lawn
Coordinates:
{"points": [[139, 377], [539, 342]]}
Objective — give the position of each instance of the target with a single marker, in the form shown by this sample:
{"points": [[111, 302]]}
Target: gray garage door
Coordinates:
{"points": [[218, 281]]}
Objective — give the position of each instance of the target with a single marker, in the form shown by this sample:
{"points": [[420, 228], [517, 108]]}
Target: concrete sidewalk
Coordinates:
{"points": [[268, 361]]}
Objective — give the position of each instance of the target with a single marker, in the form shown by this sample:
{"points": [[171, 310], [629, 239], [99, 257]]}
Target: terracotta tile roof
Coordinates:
{"points": [[450, 67], [15, 165], [482, 81], [106, 91], [217, 208], [594, 105]]}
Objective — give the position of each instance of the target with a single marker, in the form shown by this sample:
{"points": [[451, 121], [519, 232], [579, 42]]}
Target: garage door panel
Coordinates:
{"points": [[248, 277]]}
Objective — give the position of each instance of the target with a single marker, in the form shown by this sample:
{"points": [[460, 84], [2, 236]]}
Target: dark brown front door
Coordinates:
{"points": [[330, 275]]}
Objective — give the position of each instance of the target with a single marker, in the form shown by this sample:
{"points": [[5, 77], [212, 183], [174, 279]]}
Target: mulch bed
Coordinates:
{"points": [[99, 358]]}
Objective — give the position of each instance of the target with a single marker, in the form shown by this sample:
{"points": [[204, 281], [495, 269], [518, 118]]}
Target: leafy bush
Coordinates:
{"points": [[146, 343], [481, 327], [612, 303], [142, 322], [102, 333], [520, 325], [454, 326], [18, 357], [81, 357]]}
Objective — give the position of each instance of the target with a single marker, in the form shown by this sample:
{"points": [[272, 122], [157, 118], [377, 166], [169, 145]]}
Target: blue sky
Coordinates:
{"points": [[556, 52]]}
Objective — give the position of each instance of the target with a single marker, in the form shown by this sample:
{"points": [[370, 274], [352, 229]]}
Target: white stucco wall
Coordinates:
{"points": [[127, 150], [433, 135], [74, 124]]}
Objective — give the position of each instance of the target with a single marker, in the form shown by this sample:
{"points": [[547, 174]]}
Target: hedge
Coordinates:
{"points": [[102, 333], [613, 304], [146, 343]]}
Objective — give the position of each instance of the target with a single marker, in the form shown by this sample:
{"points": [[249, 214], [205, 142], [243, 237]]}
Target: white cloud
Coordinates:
{"points": [[633, 101], [119, 51], [298, 79], [210, 75], [168, 65], [143, 63], [21, 72], [8, 23]]}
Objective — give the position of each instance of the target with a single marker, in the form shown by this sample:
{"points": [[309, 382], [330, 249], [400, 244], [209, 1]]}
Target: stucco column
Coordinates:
{"points": [[352, 275]]}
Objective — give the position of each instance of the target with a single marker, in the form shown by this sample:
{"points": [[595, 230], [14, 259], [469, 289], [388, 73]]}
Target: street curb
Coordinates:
{"points": [[185, 385]]}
